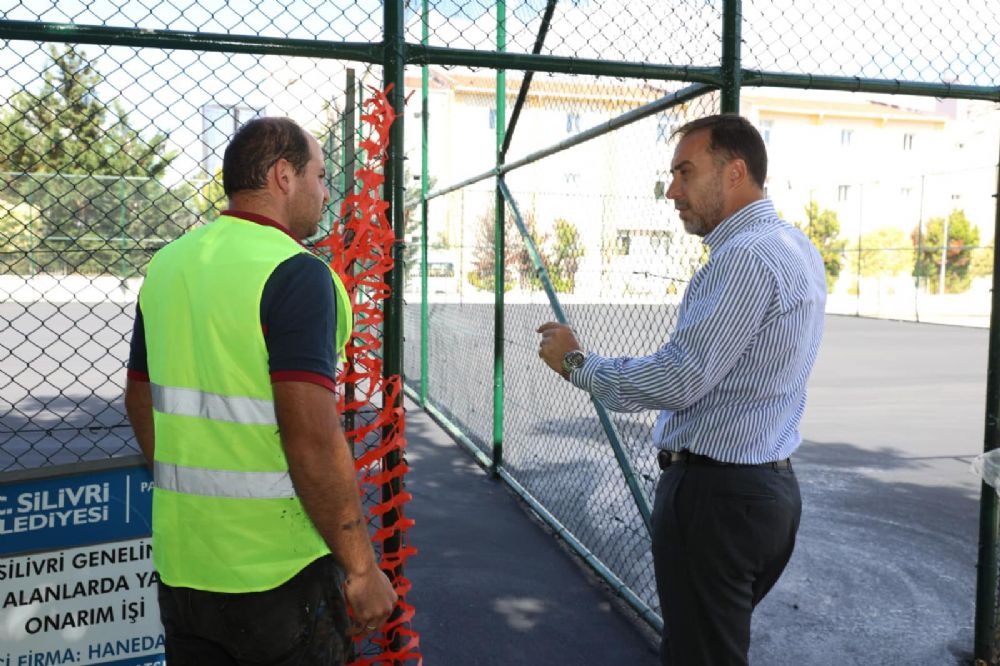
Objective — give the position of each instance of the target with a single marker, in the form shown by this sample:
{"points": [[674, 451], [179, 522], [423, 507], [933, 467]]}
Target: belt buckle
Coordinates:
{"points": [[663, 459], [667, 458]]}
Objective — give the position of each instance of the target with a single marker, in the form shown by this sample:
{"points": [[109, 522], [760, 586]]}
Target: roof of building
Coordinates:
{"points": [[820, 104], [542, 85], [839, 108]]}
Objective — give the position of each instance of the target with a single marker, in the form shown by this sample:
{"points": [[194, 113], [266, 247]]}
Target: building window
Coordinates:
{"points": [[493, 119], [765, 130], [659, 240], [219, 123], [843, 193], [665, 126], [623, 242], [907, 141], [845, 137], [661, 184], [572, 122]]}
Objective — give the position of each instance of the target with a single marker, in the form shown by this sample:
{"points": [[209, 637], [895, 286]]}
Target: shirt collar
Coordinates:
{"points": [[262, 220], [729, 227]]}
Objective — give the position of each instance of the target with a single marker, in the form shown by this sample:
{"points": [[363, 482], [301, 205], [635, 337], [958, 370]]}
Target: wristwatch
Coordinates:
{"points": [[573, 359]]}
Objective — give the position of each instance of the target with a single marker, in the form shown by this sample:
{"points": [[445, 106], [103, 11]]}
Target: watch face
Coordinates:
{"points": [[574, 359]]}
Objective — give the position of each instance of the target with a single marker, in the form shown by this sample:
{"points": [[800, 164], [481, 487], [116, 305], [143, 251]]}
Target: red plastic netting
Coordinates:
{"points": [[362, 265]]}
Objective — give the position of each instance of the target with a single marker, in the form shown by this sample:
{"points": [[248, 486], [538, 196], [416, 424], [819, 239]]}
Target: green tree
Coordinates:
{"points": [[91, 175], [17, 240], [518, 254], [210, 198], [412, 221], [823, 229], [483, 275], [566, 253], [885, 251], [982, 262], [962, 240]]}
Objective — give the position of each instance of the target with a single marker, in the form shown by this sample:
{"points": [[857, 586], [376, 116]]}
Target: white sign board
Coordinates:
{"points": [[66, 603]]}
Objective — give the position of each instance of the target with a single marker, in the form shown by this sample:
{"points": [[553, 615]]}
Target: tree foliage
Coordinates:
{"points": [[567, 249], [823, 229], [94, 180], [483, 274], [412, 221], [559, 253], [962, 240], [885, 251]]}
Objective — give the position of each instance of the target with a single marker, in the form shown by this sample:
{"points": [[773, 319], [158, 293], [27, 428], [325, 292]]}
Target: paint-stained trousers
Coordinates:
{"points": [[302, 622], [722, 535]]}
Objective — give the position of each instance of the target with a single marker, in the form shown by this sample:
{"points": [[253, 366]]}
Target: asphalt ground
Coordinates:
{"points": [[885, 566], [884, 570], [492, 586]]}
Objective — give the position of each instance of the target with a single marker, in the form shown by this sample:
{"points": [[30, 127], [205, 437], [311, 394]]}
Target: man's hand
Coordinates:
{"points": [[371, 599], [557, 339]]}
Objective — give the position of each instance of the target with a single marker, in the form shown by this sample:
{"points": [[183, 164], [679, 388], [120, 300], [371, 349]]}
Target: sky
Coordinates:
{"points": [[930, 40]]}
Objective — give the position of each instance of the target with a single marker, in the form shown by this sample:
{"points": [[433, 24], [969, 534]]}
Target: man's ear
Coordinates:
{"points": [[281, 174], [736, 173]]}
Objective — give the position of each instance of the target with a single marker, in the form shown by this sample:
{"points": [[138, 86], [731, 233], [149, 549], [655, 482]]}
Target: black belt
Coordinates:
{"points": [[668, 458]]}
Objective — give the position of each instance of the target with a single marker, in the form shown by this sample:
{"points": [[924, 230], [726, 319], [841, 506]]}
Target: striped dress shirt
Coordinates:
{"points": [[730, 383]]}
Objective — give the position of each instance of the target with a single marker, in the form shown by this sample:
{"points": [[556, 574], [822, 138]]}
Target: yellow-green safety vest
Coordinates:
{"points": [[226, 517]]}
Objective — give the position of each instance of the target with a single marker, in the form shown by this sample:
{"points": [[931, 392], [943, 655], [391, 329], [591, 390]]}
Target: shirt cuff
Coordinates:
{"points": [[136, 375], [583, 377], [304, 376]]}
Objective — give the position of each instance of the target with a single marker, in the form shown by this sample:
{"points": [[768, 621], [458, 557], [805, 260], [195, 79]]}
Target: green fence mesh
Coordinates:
{"points": [[106, 154]]}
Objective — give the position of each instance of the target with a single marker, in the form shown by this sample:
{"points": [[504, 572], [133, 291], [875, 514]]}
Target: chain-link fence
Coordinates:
{"points": [[896, 191], [115, 115], [108, 152], [618, 259]]}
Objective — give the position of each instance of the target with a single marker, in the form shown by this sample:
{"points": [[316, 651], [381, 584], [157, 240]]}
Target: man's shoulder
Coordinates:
{"points": [[762, 234], [303, 267]]}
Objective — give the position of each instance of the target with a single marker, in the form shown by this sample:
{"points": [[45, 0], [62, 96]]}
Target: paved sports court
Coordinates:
{"points": [[884, 571]]}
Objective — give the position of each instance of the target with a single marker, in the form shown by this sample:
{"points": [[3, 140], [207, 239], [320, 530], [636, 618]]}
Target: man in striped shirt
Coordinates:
{"points": [[730, 387]]}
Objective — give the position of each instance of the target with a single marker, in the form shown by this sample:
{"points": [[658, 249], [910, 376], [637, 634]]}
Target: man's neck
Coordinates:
{"points": [[741, 202], [258, 205]]}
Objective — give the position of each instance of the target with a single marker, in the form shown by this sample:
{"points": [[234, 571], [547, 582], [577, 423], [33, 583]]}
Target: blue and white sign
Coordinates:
{"points": [[78, 509], [77, 584]]}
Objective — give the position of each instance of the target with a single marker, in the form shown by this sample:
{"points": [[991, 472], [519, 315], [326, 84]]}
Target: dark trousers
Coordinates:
{"points": [[304, 621], [722, 535]]}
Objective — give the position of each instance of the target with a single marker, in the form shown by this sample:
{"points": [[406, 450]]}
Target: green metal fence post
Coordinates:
{"points": [[500, 254], [986, 574], [33, 238], [522, 94], [122, 219], [920, 252], [394, 64], [326, 227], [424, 129], [641, 503], [732, 65], [349, 134]]}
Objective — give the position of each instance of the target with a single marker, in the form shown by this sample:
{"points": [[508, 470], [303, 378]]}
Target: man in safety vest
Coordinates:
{"points": [[258, 534]]}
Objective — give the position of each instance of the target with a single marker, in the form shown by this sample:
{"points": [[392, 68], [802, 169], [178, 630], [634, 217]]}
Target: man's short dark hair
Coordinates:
{"points": [[255, 148], [732, 137]]}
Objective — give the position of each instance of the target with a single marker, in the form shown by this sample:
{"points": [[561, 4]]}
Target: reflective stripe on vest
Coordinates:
{"points": [[230, 408], [222, 482]]}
